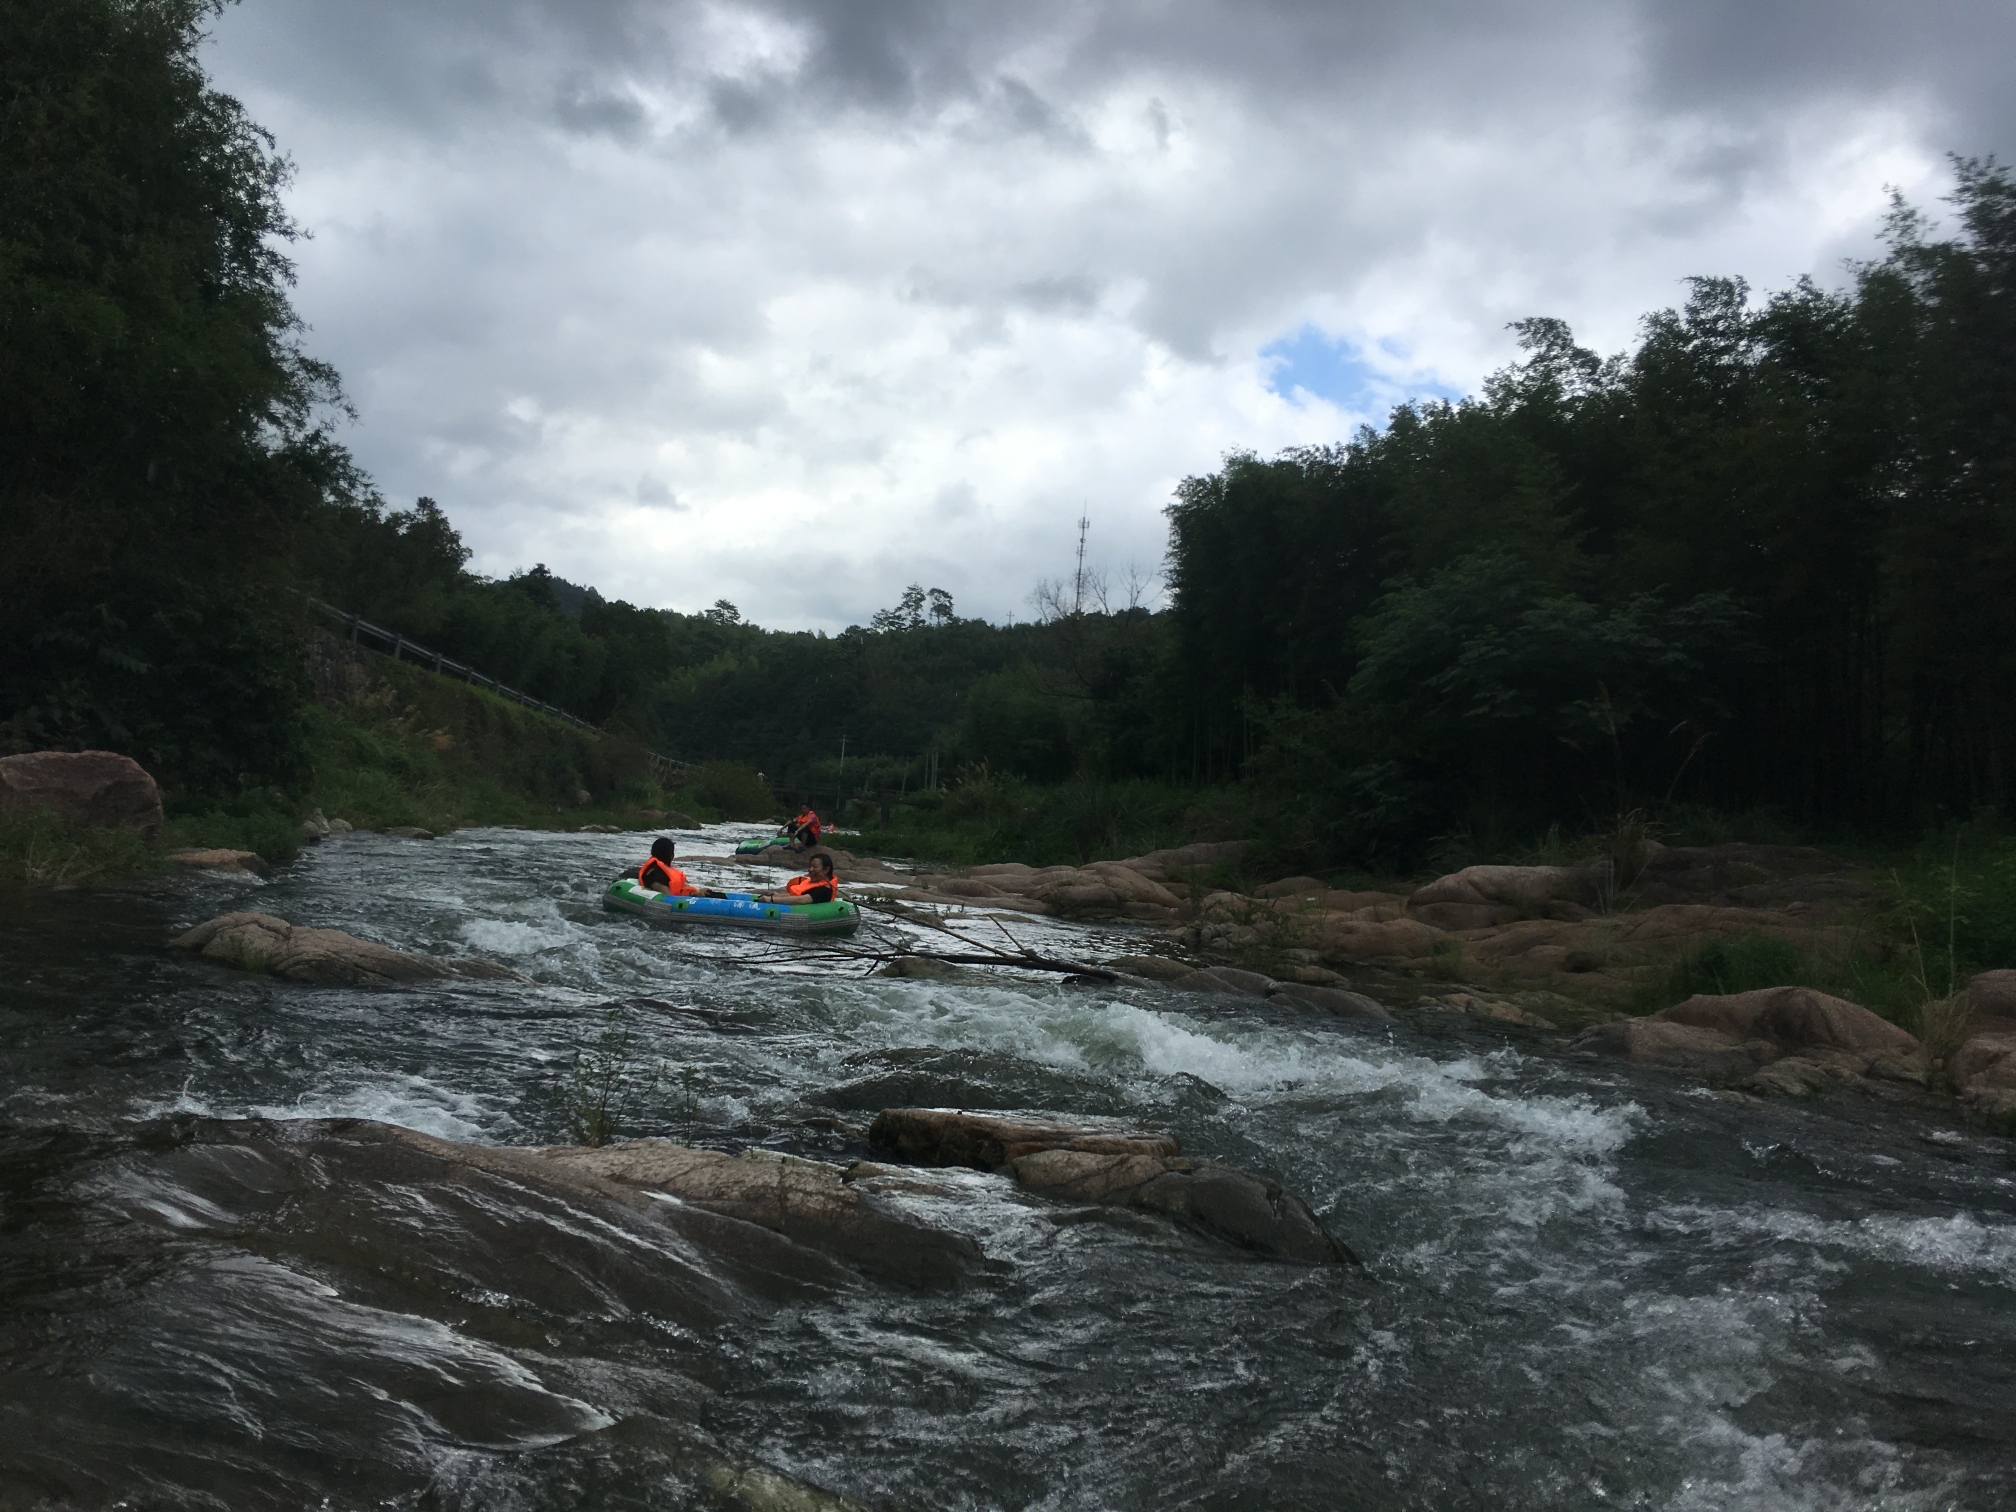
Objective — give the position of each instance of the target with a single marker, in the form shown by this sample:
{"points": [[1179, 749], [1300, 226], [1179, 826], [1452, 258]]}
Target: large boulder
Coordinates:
{"points": [[1095, 1163], [805, 1202], [1337, 1000], [325, 957], [951, 1137], [1225, 979], [98, 788], [1478, 897], [1983, 1071], [1992, 995], [1830, 1038], [1794, 1019], [1678, 1047]]}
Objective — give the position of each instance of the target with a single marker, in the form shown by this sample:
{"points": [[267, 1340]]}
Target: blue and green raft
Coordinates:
{"points": [[736, 910]]}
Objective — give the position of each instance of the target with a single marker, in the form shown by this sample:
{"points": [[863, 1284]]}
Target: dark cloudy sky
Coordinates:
{"points": [[793, 303]]}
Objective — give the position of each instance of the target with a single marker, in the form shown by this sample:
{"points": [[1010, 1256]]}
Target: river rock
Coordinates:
{"points": [[989, 1142], [793, 1217], [1680, 1047], [410, 832], [1225, 979], [1310, 889], [325, 957], [1727, 1033], [1992, 994], [100, 788], [1983, 1071], [222, 860], [1337, 1000], [1086, 1163], [1155, 968], [807, 1201], [1794, 1019]]}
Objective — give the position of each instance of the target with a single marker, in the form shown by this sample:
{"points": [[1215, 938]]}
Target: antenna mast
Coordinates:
{"points": [[1078, 588]]}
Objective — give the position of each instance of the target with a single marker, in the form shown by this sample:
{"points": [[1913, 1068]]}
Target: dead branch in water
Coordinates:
{"points": [[886, 950]]}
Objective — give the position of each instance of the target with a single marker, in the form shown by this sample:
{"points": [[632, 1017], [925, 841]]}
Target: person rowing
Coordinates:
{"points": [[818, 885], [659, 874]]}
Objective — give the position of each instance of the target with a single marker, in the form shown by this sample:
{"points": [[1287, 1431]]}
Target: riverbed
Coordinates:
{"points": [[1584, 1285]]}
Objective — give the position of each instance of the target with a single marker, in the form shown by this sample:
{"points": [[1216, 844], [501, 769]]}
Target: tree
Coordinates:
{"points": [[162, 436]]}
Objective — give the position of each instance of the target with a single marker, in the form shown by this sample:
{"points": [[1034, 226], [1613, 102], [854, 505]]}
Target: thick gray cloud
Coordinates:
{"points": [[796, 301]]}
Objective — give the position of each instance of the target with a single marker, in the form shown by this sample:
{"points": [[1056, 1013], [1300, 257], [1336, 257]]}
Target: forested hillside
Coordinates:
{"points": [[1761, 561]]}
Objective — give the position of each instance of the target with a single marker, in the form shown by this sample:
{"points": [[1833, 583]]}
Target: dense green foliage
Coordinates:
{"points": [[159, 445], [1763, 560], [1760, 563]]}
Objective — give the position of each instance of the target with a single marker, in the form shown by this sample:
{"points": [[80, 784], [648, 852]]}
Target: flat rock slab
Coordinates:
{"points": [[324, 957], [793, 1217], [1076, 1162], [807, 1201], [991, 1142], [222, 860]]}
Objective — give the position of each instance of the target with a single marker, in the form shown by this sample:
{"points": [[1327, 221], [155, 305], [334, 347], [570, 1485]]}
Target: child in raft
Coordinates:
{"points": [[818, 885], [660, 875]]}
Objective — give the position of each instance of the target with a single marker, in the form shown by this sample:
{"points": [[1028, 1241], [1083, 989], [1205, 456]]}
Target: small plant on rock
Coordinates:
{"points": [[606, 1081]]}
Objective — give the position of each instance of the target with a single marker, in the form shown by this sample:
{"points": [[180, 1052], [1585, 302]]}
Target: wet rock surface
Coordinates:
{"points": [[325, 957], [803, 1201], [1076, 1161]]}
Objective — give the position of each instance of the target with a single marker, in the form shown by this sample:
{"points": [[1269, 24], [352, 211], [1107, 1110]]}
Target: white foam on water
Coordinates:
{"points": [[1255, 1063], [411, 1102], [519, 937], [1773, 1473], [1959, 1244]]}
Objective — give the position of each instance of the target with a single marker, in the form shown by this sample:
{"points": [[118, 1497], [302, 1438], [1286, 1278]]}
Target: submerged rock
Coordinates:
{"points": [[326, 957], [100, 788], [1083, 1162]]}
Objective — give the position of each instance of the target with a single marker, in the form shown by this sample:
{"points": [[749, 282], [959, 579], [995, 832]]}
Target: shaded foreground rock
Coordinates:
{"points": [[1793, 1041], [325, 957], [100, 788], [794, 1218], [1082, 1162]]}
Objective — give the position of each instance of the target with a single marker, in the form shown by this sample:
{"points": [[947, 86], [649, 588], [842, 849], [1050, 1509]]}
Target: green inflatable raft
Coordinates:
{"points": [[735, 911]]}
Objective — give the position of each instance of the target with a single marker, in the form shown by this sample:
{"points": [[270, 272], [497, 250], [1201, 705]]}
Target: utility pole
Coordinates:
{"points": [[1078, 591]]}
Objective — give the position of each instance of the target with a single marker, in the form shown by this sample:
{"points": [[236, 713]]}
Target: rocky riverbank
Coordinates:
{"points": [[1557, 954]]}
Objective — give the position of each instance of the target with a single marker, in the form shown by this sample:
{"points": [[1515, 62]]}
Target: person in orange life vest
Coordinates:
{"points": [[660, 875], [818, 885], [805, 829]]}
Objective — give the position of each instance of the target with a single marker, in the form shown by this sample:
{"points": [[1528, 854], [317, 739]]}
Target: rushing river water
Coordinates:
{"points": [[1584, 1287]]}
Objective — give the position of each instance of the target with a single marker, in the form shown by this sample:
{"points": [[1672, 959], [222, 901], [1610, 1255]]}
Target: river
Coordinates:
{"points": [[1585, 1286]]}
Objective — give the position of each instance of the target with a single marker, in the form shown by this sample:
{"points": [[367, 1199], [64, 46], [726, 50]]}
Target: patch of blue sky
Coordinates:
{"points": [[1313, 364]]}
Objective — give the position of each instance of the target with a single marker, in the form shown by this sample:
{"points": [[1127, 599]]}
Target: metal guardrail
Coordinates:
{"points": [[397, 645]]}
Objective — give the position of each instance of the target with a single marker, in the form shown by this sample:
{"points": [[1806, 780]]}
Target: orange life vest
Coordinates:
{"points": [[675, 879], [800, 887], [807, 821]]}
